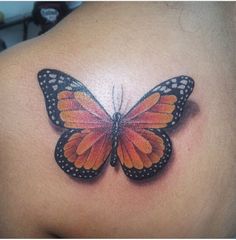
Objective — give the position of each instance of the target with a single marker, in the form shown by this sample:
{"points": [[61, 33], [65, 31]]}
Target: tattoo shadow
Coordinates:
{"points": [[57, 129], [191, 109], [95, 179]]}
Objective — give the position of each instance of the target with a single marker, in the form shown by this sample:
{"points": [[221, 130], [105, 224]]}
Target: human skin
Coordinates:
{"points": [[136, 45]]}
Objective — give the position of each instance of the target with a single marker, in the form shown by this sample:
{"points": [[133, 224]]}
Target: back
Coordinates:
{"points": [[138, 46]]}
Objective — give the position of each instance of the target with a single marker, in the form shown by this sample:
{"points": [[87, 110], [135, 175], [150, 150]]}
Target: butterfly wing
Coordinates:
{"points": [[83, 153], [163, 106], [69, 103], [83, 149], [144, 147], [142, 158]]}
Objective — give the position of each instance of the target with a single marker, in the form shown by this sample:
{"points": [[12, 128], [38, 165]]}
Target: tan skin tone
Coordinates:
{"points": [[137, 45]]}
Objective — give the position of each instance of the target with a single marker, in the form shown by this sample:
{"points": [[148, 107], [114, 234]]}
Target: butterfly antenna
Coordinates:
{"points": [[113, 98], [121, 99]]}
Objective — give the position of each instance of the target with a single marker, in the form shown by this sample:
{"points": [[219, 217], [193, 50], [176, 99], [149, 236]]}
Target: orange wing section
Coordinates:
{"points": [[154, 111], [134, 155], [143, 106], [138, 140], [88, 149], [79, 110]]}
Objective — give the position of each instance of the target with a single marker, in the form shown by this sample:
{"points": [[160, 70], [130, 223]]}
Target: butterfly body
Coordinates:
{"points": [[136, 139], [117, 117]]}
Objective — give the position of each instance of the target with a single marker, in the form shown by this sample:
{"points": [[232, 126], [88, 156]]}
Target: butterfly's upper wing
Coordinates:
{"points": [[144, 147], [82, 150], [161, 107], [69, 103]]}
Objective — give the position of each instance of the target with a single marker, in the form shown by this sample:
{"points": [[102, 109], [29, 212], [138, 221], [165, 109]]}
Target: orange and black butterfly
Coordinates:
{"points": [[136, 139]]}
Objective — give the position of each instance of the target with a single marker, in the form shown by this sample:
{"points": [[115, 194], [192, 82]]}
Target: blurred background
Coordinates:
{"points": [[20, 21]]}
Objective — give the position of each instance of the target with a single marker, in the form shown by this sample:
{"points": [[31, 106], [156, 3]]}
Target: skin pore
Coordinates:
{"points": [[136, 45]]}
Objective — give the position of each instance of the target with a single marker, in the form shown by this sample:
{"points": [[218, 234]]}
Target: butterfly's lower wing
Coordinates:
{"points": [[144, 147], [69, 103], [143, 152], [83, 153]]}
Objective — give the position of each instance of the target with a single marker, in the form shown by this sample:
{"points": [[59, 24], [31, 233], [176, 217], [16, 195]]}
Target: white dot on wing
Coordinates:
{"points": [[52, 75], [68, 88], [167, 90], [181, 87], [55, 87], [52, 81], [73, 85], [184, 82]]}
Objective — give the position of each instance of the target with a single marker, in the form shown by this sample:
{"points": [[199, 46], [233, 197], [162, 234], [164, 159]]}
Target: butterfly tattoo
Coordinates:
{"points": [[136, 139]]}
